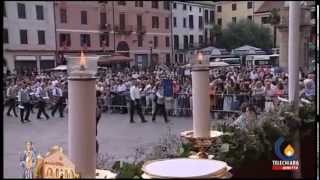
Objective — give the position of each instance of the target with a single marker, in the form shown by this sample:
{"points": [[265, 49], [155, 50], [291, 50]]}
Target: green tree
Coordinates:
{"points": [[274, 21], [244, 33], [216, 33]]}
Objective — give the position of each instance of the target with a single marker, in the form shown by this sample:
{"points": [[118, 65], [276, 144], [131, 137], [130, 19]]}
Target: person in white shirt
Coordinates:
{"points": [[149, 96], [269, 95], [160, 105], [121, 89], [59, 99], [135, 102], [254, 75], [42, 96], [12, 92], [24, 101]]}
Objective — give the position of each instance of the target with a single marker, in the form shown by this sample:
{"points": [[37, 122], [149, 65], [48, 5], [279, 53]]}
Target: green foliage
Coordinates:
{"points": [[245, 33], [274, 17], [128, 170], [257, 144], [185, 150], [307, 113]]}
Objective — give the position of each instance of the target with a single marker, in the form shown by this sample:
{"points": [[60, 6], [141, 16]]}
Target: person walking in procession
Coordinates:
{"points": [[12, 95], [24, 103], [42, 96], [160, 105], [58, 96], [135, 102]]}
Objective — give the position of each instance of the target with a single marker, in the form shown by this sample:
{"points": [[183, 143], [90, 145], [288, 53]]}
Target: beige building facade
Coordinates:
{"points": [[305, 34], [234, 11], [135, 28]]}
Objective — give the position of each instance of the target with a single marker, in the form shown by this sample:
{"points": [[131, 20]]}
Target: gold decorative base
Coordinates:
{"points": [[202, 144]]}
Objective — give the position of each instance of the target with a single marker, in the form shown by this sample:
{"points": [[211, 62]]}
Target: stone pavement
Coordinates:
{"points": [[116, 136]]}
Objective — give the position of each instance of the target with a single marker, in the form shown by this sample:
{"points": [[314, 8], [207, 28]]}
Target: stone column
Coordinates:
{"points": [[38, 59], [294, 49], [82, 124], [294, 44], [283, 58], [200, 101]]}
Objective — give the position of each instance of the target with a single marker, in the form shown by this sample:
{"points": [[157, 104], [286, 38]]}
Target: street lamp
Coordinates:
{"points": [[151, 61]]}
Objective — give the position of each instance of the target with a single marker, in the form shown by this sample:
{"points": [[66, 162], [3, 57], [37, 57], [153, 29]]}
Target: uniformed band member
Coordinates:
{"points": [[42, 96], [12, 96], [160, 104], [135, 102], [24, 102], [59, 99]]}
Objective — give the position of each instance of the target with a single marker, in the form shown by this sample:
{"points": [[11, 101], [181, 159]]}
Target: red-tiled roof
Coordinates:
{"points": [[267, 6]]}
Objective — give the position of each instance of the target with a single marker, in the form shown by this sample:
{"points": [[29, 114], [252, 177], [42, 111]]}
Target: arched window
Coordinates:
{"points": [[123, 46]]}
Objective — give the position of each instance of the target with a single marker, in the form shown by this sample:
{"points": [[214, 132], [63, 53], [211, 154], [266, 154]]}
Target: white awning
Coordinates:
{"points": [[60, 68], [26, 58], [218, 64], [47, 58]]}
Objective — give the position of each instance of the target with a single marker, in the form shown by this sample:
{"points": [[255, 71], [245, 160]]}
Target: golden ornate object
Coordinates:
{"points": [[202, 144], [55, 165]]}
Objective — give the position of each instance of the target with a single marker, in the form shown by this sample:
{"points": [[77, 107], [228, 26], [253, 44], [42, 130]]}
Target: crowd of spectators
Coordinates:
{"points": [[229, 88]]}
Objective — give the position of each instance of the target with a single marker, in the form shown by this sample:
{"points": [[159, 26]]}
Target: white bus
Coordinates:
{"points": [[262, 60], [234, 61]]}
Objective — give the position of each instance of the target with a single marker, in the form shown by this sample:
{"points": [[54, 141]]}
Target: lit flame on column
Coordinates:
{"points": [[200, 57], [83, 61]]}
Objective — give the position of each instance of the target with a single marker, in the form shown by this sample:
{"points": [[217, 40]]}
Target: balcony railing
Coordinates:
{"points": [[125, 30], [105, 27], [141, 29]]}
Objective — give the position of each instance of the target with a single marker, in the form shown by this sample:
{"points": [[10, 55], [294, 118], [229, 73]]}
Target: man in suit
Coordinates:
{"points": [[135, 101], [42, 96], [12, 95], [58, 97], [25, 102]]}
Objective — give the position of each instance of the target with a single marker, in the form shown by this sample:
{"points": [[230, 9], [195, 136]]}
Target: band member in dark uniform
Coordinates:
{"points": [[160, 104], [42, 96], [24, 102], [135, 102]]}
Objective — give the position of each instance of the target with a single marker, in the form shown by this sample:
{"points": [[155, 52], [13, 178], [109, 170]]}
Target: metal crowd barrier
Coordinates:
{"points": [[182, 103]]}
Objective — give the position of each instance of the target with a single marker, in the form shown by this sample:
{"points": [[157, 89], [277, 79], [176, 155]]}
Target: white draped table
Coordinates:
{"points": [[186, 168]]}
